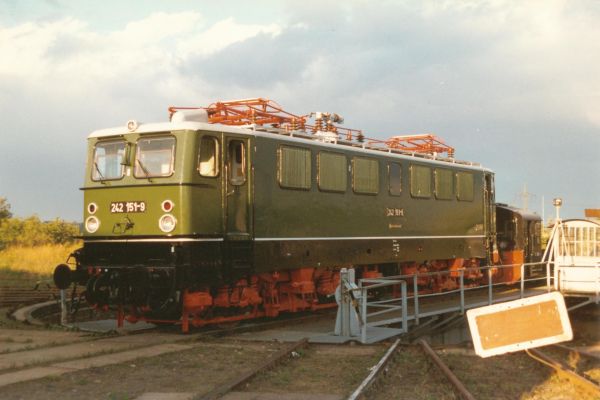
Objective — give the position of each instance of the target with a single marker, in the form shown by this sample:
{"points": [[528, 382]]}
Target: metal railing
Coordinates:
{"points": [[383, 306], [376, 312]]}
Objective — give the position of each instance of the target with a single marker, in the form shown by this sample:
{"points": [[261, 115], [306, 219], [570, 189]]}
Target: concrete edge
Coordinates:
{"points": [[25, 314]]}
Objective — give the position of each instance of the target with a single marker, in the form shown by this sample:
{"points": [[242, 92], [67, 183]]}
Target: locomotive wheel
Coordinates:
{"points": [[95, 292]]}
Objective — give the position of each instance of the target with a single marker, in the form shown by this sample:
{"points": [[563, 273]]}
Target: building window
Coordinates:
{"points": [[333, 172], [420, 181], [208, 157], [464, 186], [444, 184], [294, 168], [365, 175], [395, 178]]}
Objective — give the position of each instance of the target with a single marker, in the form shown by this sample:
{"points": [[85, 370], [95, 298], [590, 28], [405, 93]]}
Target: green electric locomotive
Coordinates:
{"points": [[240, 210]]}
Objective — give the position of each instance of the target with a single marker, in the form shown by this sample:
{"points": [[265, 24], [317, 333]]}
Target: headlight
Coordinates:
{"points": [[92, 224], [167, 223]]}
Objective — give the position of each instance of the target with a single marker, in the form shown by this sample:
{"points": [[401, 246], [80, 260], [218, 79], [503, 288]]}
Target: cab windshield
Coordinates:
{"points": [[108, 158], [154, 157]]}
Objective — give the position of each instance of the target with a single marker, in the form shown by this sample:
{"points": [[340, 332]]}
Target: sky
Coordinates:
{"points": [[513, 85]]}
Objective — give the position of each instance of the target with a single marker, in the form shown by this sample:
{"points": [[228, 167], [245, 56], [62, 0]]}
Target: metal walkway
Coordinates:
{"points": [[411, 308], [365, 317]]}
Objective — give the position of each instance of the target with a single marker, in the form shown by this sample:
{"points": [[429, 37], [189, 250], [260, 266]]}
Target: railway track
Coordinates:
{"points": [[238, 381], [376, 372], [381, 369], [564, 370], [23, 293], [456, 383], [367, 389], [51, 360]]}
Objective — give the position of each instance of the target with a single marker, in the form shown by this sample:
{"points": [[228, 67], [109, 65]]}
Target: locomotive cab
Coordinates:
{"points": [[162, 207], [519, 238]]}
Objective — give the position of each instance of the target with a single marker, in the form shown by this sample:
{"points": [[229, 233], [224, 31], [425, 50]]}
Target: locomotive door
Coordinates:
{"points": [[527, 240], [237, 249], [236, 198], [489, 212]]}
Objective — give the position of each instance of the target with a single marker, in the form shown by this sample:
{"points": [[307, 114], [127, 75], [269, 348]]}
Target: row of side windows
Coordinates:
{"points": [[447, 184], [294, 171]]}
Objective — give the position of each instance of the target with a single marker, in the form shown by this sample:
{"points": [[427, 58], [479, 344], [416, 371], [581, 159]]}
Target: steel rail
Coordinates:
{"points": [[460, 388], [10, 296], [230, 385], [361, 389], [564, 371], [576, 350], [262, 325]]}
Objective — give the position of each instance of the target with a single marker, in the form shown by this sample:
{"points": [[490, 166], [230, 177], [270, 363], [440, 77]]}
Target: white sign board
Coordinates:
{"points": [[519, 325]]}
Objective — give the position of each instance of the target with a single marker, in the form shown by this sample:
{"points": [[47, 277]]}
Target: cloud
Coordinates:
{"points": [[59, 80], [62, 51], [512, 85]]}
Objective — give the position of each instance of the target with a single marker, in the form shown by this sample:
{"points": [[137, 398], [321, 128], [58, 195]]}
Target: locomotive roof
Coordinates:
{"points": [[294, 136], [526, 214]]}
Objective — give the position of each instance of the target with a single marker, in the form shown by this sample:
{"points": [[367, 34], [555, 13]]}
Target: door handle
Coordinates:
{"points": [[226, 183]]}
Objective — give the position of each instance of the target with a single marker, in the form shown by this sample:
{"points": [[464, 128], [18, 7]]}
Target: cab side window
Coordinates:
{"points": [[208, 157], [237, 162]]}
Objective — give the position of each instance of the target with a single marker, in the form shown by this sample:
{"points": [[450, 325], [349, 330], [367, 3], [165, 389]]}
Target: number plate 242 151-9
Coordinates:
{"points": [[127, 206]]}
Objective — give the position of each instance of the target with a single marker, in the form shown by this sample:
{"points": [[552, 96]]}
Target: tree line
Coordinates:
{"points": [[32, 231]]}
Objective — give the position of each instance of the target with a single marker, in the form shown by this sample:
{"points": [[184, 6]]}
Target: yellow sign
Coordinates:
{"points": [[519, 325]]}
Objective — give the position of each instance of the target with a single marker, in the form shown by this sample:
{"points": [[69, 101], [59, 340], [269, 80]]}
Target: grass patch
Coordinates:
{"points": [[314, 371], [195, 370], [19, 262]]}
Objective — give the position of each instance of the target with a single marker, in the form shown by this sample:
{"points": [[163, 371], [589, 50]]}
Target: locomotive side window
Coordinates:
{"points": [[294, 170], [420, 181], [464, 185], [365, 175], [154, 157], [108, 158], [333, 172], [395, 179], [444, 184], [237, 162], [208, 157]]}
